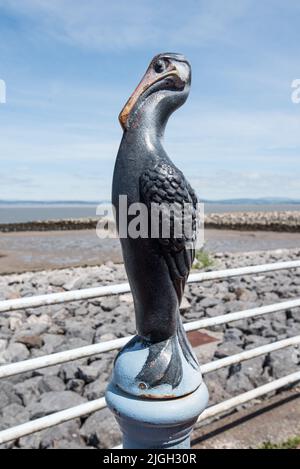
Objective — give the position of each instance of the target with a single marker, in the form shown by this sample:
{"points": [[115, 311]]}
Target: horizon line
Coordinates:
{"points": [[236, 200]]}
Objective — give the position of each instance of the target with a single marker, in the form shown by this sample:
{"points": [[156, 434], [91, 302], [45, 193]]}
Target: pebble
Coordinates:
{"points": [[37, 332], [54, 401]]}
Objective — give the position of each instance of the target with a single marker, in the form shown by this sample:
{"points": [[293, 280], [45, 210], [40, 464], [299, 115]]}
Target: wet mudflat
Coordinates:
{"points": [[21, 252]]}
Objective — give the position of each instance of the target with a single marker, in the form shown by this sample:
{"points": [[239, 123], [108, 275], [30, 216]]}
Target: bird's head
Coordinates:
{"points": [[166, 83]]}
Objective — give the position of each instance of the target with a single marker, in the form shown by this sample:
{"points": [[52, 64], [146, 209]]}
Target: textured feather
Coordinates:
{"points": [[163, 364], [165, 184]]}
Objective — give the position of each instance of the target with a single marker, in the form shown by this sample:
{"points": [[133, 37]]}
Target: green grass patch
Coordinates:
{"points": [[203, 260], [291, 443]]}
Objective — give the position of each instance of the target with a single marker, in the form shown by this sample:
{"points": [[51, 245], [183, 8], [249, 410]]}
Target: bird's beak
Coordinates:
{"points": [[149, 79]]}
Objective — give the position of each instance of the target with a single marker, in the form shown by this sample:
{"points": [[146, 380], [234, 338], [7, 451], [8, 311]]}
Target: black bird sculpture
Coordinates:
{"points": [[159, 360]]}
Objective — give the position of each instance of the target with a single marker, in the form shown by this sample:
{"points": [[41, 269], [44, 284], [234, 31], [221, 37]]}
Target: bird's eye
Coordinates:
{"points": [[160, 66]]}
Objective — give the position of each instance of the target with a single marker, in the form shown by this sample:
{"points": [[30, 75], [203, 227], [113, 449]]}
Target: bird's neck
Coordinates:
{"points": [[147, 126]]}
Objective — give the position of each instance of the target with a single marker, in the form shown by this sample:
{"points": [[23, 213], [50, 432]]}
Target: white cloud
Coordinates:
{"points": [[54, 148], [261, 149], [98, 24], [238, 184], [211, 21], [236, 132], [61, 123], [238, 154]]}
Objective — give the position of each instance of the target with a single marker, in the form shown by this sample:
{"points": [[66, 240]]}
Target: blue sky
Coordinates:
{"points": [[69, 67]]}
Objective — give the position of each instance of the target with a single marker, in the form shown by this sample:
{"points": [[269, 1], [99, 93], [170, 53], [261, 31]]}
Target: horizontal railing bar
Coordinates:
{"points": [[109, 290], [248, 396], [93, 406], [90, 407], [61, 357], [248, 313], [90, 350], [63, 297], [49, 421], [248, 270], [249, 354]]}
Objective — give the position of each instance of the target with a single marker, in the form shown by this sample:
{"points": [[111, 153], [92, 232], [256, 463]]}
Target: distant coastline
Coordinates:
{"points": [[236, 201], [277, 221], [20, 212]]}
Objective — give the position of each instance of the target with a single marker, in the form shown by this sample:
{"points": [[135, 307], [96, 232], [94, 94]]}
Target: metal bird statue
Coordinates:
{"points": [[158, 362]]}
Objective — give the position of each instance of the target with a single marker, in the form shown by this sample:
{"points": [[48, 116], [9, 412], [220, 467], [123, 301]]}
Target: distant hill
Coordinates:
{"points": [[242, 201], [260, 201], [52, 202]]}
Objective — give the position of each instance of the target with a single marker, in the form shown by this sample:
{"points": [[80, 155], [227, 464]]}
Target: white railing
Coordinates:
{"points": [[109, 290], [88, 351]]}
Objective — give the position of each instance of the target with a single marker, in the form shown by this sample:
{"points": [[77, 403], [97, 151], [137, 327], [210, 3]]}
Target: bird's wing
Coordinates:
{"points": [[166, 185]]}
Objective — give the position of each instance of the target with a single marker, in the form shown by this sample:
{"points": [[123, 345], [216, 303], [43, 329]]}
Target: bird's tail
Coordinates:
{"points": [[164, 364], [185, 345]]}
